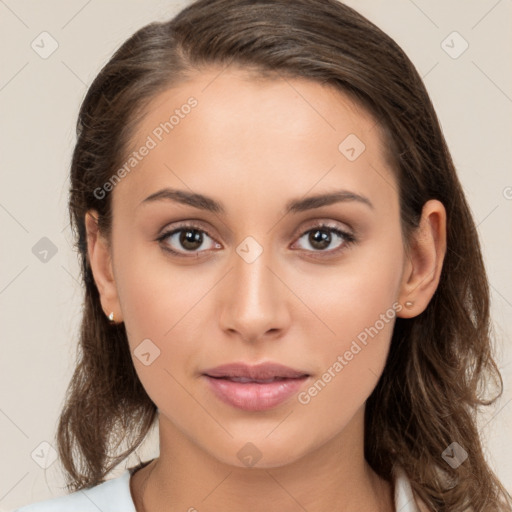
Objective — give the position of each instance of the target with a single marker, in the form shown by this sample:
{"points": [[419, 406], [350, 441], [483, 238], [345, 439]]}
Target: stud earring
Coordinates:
{"points": [[111, 317], [409, 304]]}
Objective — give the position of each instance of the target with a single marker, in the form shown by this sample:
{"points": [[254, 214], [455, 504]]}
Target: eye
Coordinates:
{"points": [[320, 237], [190, 238]]}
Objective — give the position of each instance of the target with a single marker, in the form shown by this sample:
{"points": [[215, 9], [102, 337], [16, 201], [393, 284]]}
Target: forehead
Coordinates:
{"points": [[225, 129]]}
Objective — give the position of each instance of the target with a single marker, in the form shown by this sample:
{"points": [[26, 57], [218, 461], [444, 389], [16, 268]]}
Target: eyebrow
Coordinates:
{"points": [[209, 204]]}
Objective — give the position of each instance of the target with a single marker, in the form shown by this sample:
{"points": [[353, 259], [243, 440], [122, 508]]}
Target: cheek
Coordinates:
{"points": [[160, 304], [353, 295], [154, 293], [348, 368], [160, 313], [358, 304]]}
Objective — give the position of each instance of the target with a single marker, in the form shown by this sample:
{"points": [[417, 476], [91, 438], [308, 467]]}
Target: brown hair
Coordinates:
{"points": [[439, 363]]}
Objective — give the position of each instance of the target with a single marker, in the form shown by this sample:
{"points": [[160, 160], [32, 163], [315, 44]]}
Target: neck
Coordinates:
{"points": [[335, 476]]}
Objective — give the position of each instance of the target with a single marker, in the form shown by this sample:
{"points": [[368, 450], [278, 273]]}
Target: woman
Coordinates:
{"points": [[280, 269]]}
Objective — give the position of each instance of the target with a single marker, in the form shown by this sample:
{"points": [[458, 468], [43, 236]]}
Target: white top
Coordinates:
{"points": [[114, 496]]}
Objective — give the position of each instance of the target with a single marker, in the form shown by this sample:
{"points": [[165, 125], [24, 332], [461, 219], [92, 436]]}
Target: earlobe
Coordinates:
{"points": [[100, 260], [424, 264]]}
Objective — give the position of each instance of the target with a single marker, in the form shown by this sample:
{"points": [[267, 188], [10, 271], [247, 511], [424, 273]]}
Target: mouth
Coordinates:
{"points": [[254, 388], [263, 372]]}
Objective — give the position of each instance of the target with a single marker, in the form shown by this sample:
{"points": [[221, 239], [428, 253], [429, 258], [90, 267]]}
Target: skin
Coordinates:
{"points": [[254, 145]]}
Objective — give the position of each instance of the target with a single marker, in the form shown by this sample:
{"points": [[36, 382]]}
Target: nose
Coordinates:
{"points": [[254, 298]]}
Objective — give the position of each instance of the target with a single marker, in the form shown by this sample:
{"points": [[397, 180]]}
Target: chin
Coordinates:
{"points": [[260, 454]]}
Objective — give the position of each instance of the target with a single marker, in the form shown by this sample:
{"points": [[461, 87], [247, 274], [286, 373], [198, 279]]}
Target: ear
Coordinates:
{"points": [[100, 260], [422, 269]]}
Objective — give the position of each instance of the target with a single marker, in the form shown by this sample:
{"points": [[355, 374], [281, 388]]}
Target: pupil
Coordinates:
{"points": [[191, 236], [319, 236]]}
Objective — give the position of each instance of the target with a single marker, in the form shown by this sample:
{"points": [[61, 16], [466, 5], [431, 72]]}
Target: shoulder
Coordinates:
{"points": [[405, 498], [110, 496]]}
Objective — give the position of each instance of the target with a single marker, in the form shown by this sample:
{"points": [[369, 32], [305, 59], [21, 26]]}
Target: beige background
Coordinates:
{"points": [[39, 101]]}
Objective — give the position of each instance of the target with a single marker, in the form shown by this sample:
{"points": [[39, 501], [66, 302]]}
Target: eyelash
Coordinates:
{"points": [[348, 239]]}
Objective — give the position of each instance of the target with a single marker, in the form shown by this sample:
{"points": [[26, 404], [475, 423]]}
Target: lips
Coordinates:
{"points": [[263, 372], [254, 387]]}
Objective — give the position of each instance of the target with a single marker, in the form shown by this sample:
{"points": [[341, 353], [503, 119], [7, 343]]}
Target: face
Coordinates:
{"points": [[313, 288]]}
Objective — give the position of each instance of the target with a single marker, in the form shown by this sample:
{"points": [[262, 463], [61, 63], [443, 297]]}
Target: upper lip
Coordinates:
{"points": [[258, 371]]}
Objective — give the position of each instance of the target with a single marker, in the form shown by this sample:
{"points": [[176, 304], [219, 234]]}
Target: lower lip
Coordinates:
{"points": [[252, 396]]}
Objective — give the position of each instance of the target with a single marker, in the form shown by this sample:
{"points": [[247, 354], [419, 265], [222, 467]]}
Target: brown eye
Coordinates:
{"points": [[187, 238], [190, 239], [320, 238]]}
